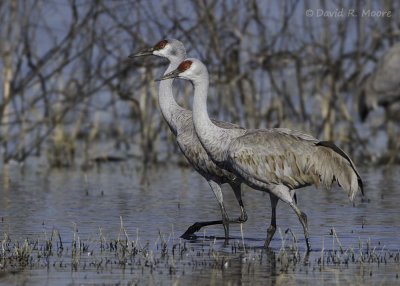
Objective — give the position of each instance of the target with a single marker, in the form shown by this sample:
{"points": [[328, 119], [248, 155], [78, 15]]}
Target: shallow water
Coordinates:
{"points": [[90, 204]]}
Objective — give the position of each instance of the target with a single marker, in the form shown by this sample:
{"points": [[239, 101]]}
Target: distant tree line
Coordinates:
{"points": [[67, 83]]}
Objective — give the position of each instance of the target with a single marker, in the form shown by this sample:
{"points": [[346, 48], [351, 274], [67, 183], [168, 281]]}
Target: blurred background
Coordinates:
{"points": [[70, 95]]}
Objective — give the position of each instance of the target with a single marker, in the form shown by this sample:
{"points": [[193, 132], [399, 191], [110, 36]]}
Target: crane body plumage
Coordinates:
{"points": [[180, 122], [194, 152], [284, 157], [277, 161]]}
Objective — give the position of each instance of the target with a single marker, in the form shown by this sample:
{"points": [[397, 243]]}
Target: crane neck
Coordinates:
{"points": [[166, 99], [210, 135]]}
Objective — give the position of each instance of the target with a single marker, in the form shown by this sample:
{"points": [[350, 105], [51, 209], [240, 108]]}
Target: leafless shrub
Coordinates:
{"points": [[66, 78]]}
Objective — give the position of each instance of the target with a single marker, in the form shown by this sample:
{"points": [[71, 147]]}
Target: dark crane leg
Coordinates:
{"points": [[272, 228], [189, 233]]}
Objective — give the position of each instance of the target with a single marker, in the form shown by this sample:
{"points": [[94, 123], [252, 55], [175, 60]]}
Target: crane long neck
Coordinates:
{"points": [[208, 133], [166, 99]]}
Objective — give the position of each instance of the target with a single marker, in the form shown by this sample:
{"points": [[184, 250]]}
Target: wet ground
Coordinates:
{"points": [[80, 213]]}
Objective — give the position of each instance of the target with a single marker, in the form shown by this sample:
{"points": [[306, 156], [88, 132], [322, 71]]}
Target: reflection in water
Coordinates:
{"points": [[36, 201]]}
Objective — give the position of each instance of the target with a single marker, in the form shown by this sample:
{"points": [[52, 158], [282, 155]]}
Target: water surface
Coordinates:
{"points": [[89, 205]]}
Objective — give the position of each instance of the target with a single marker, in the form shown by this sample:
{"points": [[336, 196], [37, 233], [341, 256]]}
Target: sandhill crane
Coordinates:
{"points": [[382, 88], [276, 161], [180, 122]]}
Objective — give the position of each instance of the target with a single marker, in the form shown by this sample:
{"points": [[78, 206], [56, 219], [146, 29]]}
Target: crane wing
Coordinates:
{"points": [[226, 125], [292, 158]]}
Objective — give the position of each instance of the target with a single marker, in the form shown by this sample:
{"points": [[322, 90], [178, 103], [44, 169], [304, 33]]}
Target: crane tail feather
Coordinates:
{"points": [[339, 167]]}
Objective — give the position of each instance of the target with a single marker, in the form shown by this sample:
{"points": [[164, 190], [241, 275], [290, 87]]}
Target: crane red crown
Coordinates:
{"points": [[184, 65], [160, 45]]}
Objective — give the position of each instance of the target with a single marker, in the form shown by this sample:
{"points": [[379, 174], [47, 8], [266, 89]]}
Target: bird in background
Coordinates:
{"points": [[277, 161], [180, 122], [382, 89], [382, 86]]}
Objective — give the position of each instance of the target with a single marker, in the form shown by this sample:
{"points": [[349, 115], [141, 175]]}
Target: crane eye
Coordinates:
{"points": [[185, 65], [160, 45]]}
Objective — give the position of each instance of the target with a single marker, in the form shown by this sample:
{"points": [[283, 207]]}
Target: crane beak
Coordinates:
{"points": [[145, 52], [172, 74]]}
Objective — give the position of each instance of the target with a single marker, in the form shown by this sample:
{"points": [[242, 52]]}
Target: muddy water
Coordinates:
{"points": [[84, 204]]}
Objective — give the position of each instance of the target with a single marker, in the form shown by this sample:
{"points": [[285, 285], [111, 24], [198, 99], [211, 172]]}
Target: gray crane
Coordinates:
{"points": [[277, 161], [382, 89], [180, 122]]}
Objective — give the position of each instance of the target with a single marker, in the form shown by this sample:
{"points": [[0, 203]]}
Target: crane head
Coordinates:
{"points": [[190, 69], [169, 49], [150, 51], [184, 66]]}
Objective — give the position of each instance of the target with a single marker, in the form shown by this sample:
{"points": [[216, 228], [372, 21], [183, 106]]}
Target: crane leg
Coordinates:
{"points": [[272, 228], [189, 233], [238, 194], [303, 220], [216, 188], [294, 196], [285, 194]]}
